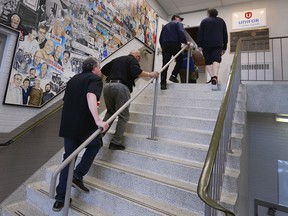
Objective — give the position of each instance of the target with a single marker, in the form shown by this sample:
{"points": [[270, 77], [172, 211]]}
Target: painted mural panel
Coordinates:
{"points": [[55, 37]]}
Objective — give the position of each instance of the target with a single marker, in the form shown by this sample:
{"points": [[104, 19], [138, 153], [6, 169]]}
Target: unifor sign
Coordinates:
{"points": [[249, 19]]}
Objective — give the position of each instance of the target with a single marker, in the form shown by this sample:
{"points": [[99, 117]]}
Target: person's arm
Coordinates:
{"points": [[92, 104], [153, 74]]}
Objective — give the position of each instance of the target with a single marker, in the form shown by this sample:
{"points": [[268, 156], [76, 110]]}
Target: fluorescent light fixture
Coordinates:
{"points": [[281, 118]]}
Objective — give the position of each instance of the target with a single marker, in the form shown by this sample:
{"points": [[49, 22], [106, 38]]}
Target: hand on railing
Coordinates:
{"points": [[103, 124], [154, 74]]}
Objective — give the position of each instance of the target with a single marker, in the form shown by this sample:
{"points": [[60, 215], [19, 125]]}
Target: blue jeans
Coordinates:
{"points": [[82, 168]]}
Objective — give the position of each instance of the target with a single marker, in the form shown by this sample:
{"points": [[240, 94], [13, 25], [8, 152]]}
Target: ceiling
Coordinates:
{"points": [[187, 6]]}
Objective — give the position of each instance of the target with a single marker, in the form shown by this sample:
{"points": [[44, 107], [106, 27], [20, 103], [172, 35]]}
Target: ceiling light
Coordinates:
{"points": [[281, 118]]}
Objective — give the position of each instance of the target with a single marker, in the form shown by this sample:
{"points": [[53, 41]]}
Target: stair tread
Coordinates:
{"points": [[176, 116], [96, 184], [77, 207], [24, 208]]}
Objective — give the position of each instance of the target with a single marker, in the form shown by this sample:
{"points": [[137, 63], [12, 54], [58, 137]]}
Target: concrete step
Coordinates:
{"points": [[175, 121], [38, 194], [111, 188], [179, 102], [22, 208], [168, 132], [163, 147], [187, 94], [203, 87], [175, 111], [176, 169]]}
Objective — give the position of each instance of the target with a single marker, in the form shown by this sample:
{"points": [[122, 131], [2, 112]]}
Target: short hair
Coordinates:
{"points": [[17, 74], [47, 85], [66, 51], [14, 15], [45, 64], [29, 29], [89, 63], [41, 26], [26, 79], [212, 12]]}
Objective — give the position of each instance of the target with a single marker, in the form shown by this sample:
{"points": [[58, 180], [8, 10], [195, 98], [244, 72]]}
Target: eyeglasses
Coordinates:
{"points": [[18, 79]]}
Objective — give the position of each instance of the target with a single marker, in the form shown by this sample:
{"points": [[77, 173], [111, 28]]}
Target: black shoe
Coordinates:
{"points": [[163, 86], [79, 184], [114, 146], [58, 205], [173, 79]]}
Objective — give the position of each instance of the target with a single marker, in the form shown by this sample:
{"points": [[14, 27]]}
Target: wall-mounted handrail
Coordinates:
{"points": [[71, 159], [38, 122], [206, 178]]}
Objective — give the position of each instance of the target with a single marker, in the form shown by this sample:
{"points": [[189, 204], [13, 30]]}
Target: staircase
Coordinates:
{"points": [[151, 177]]}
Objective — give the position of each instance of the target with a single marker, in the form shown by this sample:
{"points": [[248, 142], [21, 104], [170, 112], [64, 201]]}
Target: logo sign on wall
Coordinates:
{"points": [[249, 19]]}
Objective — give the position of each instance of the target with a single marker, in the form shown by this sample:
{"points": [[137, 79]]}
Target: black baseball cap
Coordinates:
{"points": [[176, 16]]}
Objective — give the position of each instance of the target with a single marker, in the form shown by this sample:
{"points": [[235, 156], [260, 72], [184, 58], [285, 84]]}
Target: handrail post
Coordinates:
{"points": [[156, 93], [188, 64], [68, 188], [154, 109]]}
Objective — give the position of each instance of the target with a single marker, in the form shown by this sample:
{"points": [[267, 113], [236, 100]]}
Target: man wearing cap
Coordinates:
{"points": [[171, 37]]}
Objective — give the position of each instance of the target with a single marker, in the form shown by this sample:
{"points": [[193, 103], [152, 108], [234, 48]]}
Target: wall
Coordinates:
{"points": [[276, 14], [13, 118], [267, 141], [267, 98], [159, 10]]}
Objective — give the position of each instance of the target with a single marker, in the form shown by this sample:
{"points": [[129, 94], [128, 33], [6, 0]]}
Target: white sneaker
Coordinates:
{"points": [[214, 87]]}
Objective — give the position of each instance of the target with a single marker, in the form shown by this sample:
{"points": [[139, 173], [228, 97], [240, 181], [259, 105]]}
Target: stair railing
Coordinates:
{"points": [[272, 208], [211, 179], [71, 159]]}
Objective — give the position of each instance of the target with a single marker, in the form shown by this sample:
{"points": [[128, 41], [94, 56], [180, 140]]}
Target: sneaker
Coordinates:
{"points": [[114, 146], [173, 79], [163, 86], [214, 87], [79, 184], [58, 205]]}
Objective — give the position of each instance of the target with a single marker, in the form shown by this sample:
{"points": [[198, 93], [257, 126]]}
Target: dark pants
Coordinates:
{"points": [[115, 96], [170, 49], [70, 145]]}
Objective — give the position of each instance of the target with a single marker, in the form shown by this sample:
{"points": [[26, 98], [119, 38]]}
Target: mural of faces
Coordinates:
{"points": [[68, 32]]}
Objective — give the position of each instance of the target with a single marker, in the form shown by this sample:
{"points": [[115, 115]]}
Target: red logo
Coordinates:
{"points": [[248, 15]]}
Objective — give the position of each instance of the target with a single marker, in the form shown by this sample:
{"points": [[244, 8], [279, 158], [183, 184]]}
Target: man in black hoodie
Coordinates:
{"points": [[212, 41]]}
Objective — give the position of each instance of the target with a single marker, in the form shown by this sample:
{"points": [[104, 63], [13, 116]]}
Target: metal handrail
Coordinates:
{"points": [[71, 159], [207, 171]]}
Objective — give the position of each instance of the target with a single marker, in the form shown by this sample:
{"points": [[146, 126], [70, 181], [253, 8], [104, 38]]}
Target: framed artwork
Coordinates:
{"points": [[56, 36], [251, 45], [31, 3]]}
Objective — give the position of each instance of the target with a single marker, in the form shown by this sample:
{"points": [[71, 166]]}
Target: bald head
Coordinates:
{"points": [[136, 54]]}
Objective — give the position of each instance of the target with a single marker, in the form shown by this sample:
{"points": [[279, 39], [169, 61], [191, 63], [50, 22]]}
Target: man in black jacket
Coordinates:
{"points": [[212, 41], [79, 120], [171, 37], [121, 74]]}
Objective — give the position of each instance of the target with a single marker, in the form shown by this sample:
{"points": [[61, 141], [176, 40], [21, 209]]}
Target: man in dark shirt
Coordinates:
{"points": [[212, 41], [121, 74], [47, 95], [79, 120], [171, 37]]}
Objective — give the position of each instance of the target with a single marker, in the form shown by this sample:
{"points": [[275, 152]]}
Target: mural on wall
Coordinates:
{"points": [[57, 35]]}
